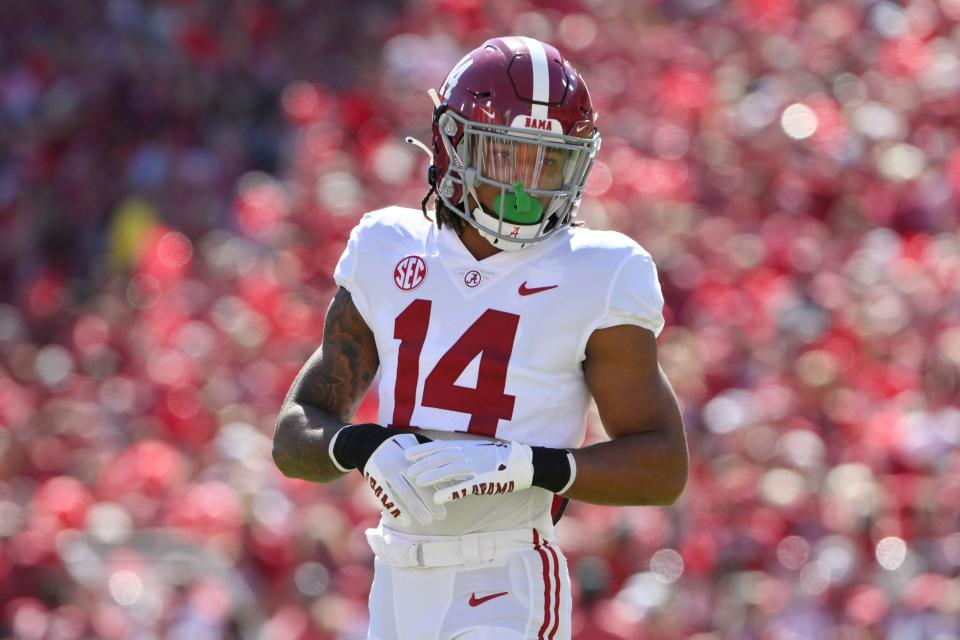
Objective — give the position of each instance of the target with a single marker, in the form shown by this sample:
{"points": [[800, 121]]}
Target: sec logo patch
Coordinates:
{"points": [[410, 272]]}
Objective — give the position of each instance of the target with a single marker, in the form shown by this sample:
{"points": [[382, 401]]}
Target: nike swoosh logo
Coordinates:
{"points": [[524, 291], [475, 601]]}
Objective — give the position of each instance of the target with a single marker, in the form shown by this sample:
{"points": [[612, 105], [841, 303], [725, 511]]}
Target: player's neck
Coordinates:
{"points": [[476, 244]]}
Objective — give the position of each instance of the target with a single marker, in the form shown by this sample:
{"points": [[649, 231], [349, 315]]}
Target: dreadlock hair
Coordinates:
{"points": [[444, 215]]}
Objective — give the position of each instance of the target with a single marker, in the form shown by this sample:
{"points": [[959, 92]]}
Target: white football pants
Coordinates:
{"points": [[505, 585]]}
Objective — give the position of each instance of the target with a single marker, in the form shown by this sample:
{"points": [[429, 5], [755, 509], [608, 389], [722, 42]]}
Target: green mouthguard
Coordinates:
{"points": [[518, 207]]}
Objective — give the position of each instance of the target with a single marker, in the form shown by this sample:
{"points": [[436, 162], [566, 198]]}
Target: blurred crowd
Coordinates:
{"points": [[177, 180]]}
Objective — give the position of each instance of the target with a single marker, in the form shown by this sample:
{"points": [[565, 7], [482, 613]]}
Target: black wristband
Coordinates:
{"points": [[355, 443], [551, 468]]}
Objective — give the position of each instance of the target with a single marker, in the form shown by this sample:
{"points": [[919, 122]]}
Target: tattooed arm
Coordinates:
{"points": [[325, 394]]}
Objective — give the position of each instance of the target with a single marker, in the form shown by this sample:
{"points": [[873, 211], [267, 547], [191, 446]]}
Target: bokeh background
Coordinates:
{"points": [[178, 178]]}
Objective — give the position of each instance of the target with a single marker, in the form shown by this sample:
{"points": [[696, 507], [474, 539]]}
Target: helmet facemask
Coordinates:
{"points": [[518, 185]]}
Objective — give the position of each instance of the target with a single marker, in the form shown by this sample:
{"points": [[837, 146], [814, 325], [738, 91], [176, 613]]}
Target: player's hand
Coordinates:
{"points": [[490, 468], [398, 497]]}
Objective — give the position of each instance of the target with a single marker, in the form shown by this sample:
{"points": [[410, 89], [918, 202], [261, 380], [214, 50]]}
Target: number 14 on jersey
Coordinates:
{"points": [[490, 336]]}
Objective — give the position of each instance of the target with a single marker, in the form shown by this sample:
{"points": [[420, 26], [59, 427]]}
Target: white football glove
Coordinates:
{"points": [[490, 467], [398, 497]]}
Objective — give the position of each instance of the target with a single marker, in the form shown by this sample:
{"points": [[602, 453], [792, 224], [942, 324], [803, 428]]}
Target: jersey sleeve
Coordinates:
{"points": [[346, 272], [634, 298]]}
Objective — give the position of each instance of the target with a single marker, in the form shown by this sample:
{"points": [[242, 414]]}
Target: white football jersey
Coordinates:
{"points": [[491, 348]]}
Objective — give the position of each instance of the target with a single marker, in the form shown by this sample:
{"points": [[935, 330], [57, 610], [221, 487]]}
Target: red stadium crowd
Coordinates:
{"points": [[177, 181]]}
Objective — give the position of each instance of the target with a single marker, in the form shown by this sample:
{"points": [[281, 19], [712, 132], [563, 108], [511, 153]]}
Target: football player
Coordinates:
{"points": [[492, 319]]}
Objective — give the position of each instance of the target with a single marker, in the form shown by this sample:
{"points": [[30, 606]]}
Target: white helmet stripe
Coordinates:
{"points": [[541, 77]]}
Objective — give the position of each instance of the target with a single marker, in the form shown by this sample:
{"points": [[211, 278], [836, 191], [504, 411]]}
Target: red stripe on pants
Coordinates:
{"points": [[556, 596], [546, 584]]}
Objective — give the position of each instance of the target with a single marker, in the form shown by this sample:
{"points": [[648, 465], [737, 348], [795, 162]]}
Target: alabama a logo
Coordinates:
{"points": [[410, 272]]}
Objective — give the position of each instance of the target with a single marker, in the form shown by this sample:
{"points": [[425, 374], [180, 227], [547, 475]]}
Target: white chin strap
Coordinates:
{"points": [[517, 232]]}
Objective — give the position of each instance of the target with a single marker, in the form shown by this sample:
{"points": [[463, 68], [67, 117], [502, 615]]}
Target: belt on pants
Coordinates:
{"points": [[473, 550]]}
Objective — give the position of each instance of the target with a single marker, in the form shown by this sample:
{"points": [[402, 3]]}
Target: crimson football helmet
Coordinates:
{"points": [[514, 138]]}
